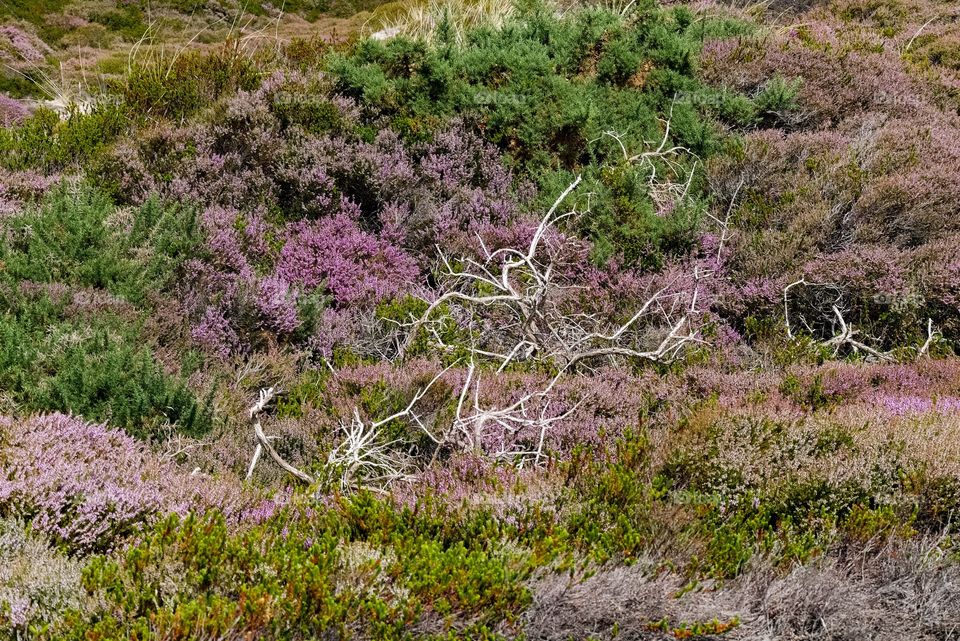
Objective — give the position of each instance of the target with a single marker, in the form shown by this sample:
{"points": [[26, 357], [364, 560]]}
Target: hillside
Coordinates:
{"points": [[479, 320]]}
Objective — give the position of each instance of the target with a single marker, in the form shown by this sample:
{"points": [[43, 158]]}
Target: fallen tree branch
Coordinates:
{"points": [[846, 335], [518, 295], [364, 459], [930, 335], [266, 395]]}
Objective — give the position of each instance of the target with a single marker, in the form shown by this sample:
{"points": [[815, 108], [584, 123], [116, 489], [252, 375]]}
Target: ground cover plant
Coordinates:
{"points": [[539, 321]]}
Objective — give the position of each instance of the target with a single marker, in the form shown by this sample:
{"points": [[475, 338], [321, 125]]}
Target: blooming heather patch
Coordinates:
{"points": [[918, 405], [16, 45], [82, 484], [355, 266], [18, 189], [87, 486], [37, 582], [12, 111]]}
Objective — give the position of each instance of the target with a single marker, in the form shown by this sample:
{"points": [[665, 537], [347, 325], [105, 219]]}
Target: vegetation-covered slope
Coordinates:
{"points": [[542, 322]]}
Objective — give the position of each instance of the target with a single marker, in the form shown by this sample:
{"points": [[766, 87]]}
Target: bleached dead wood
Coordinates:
{"points": [[364, 458], [263, 441], [846, 335], [521, 289]]}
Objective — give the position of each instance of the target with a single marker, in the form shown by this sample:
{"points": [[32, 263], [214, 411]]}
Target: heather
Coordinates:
{"points": [[477, 321]]}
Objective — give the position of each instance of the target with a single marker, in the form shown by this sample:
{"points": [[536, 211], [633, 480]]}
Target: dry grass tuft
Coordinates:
{"points": [[430, 19]]}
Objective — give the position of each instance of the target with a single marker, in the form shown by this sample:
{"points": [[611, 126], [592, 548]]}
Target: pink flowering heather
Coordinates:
{"points": [[82, 484], [37, 582], [834, 86], [335, 328], [12, 111], [355, 266], [17, 45], [277, 303], [19, 188], [215, 333], [88, 486], [917, 405], [224, 242]]}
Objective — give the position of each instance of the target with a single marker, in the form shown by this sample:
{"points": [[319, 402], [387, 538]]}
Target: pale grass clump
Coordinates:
{"points": [[891, 591], [429, 20], [861, 446], [930, 441]]}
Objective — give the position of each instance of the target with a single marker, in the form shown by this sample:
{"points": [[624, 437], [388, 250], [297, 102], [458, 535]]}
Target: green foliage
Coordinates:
{"points": [[71, 336], [938, 504], [361, 566], [74, 238], [308, 111], [66, 240], [34, 11], [776, 99], [615, 519], [806, 394], [694, 629], [126, 20], [97, 369], [179, 87], [155, 88], [21, 84], [410, 308], [546, 90], [47, 142]]}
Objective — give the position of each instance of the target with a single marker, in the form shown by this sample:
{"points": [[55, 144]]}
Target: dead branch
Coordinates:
{"points": [[364, 459], [847, 335], [475, 427], [930, 335], [266, 395], [664, 193], [725, 223], [519, 293]]}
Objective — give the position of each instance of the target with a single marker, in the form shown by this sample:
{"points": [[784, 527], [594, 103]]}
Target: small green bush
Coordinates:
{"points": [[47, 142], [179, 87], [360, 566], [98, 369], [70, 284]]}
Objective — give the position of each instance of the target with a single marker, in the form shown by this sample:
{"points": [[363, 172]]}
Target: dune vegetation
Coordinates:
{"points": [[479, 320]]}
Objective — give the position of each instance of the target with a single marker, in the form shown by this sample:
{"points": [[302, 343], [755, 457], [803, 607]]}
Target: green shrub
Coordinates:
{"points": [[361, 566], [99, 369], [545, 90], [75, 238], [66, 240], [47, 142], [777, 98], [70, 284], [179, 87], [126, 20]]}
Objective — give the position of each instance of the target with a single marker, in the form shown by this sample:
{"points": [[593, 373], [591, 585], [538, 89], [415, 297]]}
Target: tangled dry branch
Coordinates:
{"points": [[520, 294], [845, 335], [263, 441]]}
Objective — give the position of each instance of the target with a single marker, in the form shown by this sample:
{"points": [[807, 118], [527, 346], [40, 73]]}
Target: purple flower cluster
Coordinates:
{"points": [[12, 111], [17, 189], [287, 214], [88, 486], [355, 266], [917, 405], [16, 45], [82, 484]]}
